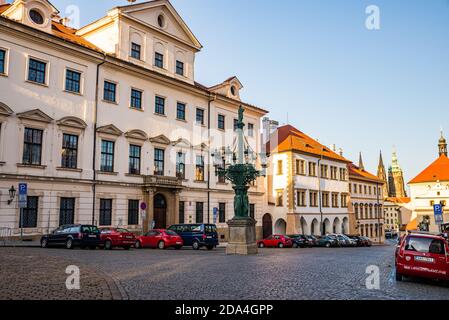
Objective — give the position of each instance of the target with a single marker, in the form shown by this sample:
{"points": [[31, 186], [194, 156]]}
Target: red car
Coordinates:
{"points": [[159, 238], [423, 255], [276, 241], [116, 237]]}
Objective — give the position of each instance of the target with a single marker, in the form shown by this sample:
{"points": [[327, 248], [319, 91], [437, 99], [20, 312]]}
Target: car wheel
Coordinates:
{"points": [[210, 247], [327, 245], [69, 244], [138, 245], [195, 245], [161, 245], [399, 276], [280, 245], [295, 245], [261, 245], [44, 243], [108, 245]]}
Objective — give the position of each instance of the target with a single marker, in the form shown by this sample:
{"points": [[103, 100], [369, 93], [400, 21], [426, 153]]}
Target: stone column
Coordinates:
{"points": [[176, 206], [242, 236], [149, 198]]}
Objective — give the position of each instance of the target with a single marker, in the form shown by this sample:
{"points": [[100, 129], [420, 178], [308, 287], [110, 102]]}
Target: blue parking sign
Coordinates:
{"points": [[438, 212], [23, 192]]}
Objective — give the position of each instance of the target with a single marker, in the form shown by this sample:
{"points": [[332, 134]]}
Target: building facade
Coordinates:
{"points": [[366, 204], [396, 184], [428, 188], [397, 214], [102, 119], [307, 186]]}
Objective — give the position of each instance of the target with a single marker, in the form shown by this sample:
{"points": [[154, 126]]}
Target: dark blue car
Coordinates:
{"points": [[197, 235]]}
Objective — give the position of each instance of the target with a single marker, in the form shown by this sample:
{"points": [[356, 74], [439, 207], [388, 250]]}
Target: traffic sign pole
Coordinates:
{"points": [[23, 197]]}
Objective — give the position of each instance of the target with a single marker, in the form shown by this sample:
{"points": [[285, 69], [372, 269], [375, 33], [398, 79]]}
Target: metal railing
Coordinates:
{"points": [[5, 235]]}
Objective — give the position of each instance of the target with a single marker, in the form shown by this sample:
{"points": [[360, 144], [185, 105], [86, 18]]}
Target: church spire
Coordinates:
{"points": [[382, 175], [361, 166], [442, 145]]}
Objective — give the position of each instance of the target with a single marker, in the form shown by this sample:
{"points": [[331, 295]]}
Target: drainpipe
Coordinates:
{"points": [[94, 151], [211, 98], [319, 196], [379, 211]]}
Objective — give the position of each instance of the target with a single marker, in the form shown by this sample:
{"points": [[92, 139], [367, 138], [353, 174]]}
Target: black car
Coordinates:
{"points": [[73, 235], [299, 241], [313, 241], [327, 241], [359, 240], [197, 235]]}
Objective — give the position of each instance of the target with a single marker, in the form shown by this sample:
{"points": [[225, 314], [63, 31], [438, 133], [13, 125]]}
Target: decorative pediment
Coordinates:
{"points": [[110, 129], [203, 147], [36, 115], [230, 87], [161, 139], [136, 134], [182, 143], [72, 122], [5, 110]]}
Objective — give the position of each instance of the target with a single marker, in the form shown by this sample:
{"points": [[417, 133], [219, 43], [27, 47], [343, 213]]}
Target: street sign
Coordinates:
{"points": [[215, 213], [438, 212], [23, 193], [143, 206]]}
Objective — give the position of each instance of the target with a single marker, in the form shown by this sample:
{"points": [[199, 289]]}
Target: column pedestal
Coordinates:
{"points": [[242, 237]]}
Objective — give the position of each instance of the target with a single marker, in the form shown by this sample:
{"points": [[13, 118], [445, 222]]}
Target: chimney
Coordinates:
{"points": [[340, 151]]}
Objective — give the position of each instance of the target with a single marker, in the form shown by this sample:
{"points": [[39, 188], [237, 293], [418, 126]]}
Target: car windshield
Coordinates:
{"points": [[210, 228], [171, 233], [293, 236], [91, 229], [425, 245], [122, 230]]}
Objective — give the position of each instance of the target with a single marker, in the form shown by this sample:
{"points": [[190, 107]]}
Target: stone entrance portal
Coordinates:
{"points": [[160, 212]]}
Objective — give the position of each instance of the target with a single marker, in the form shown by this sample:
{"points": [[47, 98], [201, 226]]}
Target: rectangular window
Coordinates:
{"points": [[221, 122], [2, 61], [180, 68], [343, 174], [252, 210], [250, 130], [109, 91], [199, 173], [133, 212], [279, 168], [199, 116], [199, 212], [134, 159], [334, 200], [107, 156], [344, 201], [235, 124], [301, 198], [159, 162], [105, 212], [324, 171], [159, 60], [280, 198], [180, 165], [36, 71], [136, 99], [313, 198], [159, 105], [32, 149], [312, 169], [180, 111], [221, 178], [222, 212], [69, 151], [135, 50], [30, 213], [72, 81], [325, 199], [182, 211], [333, 173], [300, 167], [67, 211]]}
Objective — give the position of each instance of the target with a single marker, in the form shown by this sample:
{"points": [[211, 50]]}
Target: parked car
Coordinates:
{"points": [[159, 238], [73, 235], [327, 241], [423, 255], [299, 241], [276, 241], [361, 241], [197, 235], [313, 241], [367, 241], [116, 237]]}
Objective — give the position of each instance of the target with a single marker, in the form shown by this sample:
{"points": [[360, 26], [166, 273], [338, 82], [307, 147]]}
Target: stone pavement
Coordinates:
{"points": [[286, 274]]}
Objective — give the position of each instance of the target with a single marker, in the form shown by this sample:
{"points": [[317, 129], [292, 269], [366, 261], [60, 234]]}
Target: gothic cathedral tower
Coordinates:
{"points": [[382, 175], [396, 183]]}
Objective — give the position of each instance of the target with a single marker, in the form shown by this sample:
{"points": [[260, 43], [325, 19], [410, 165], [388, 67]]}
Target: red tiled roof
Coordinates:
{"points": [[356, 172], [437, 171], [291, 139]]}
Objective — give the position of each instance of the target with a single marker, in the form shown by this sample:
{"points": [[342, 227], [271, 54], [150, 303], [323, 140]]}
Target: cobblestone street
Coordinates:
{"points": [[315, 273]]}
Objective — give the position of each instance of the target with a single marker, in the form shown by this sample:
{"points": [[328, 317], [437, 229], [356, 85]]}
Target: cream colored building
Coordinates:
{"points": [[366, 209], [98, 120], [307, 186]]}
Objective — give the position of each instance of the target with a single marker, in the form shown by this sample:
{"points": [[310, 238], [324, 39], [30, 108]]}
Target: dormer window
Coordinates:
{"points": [[36, 17], [136, 51], [159, 60], [233, 90], [161, 21]]}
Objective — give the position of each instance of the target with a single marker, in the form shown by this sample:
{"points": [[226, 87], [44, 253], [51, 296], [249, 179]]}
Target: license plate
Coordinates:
{"points": [[424, 259], [92, 236], [129, 237], [209, 237], [178, 242]]}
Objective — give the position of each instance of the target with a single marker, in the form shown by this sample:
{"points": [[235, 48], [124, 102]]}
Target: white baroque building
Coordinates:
{"points": [[307, 186], [98, 120]]}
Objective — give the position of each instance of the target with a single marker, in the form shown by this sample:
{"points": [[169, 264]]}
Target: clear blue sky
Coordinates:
{"points": [[315, 60]]}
